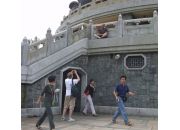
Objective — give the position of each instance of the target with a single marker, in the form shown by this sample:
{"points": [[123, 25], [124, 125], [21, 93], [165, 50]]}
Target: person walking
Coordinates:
{"points": [[120, 92], [48, 91], [88, 94]]}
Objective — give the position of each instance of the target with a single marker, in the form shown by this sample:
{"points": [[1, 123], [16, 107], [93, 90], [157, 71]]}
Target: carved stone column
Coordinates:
{"points": [[25, 52], [68, 34], [91, 29], [120, 25], [155, 21], [49, 42], [79, 8]]}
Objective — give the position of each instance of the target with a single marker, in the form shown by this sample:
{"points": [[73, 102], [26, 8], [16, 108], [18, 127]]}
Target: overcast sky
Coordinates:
{"points": [[39, 15]]}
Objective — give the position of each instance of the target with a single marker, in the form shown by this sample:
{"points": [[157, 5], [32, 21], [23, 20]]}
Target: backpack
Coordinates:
{"points": [[74, 90]]}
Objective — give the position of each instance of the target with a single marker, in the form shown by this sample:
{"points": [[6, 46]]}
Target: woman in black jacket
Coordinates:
{"points": [[88, 93]]}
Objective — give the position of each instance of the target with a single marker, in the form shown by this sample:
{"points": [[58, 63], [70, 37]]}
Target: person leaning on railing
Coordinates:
{"points": [[102, 32]]}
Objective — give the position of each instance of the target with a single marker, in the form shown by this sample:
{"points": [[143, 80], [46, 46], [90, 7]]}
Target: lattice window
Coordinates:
{"points": [[135, 61]]}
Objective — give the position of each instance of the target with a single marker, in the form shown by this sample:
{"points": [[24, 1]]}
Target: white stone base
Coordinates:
{"points": [[25, 112]]}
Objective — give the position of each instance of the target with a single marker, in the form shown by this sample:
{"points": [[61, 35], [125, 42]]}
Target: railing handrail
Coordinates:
{"points": [[82, 24], [79, 25], [94, 25], [66, 38], [93, 2], [138, 20], [59, 33], [85, 5], [38, 42], [107, 23], [44, 39], [138, 26], [72, 11]]}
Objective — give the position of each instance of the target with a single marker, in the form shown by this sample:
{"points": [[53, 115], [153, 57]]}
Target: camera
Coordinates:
{"points": [[73, 71]]}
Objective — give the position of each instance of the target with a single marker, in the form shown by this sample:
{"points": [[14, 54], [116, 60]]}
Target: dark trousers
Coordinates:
{"points": [[47, 112]]}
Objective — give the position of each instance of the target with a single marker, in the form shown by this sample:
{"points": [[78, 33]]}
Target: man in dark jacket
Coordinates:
{"points": [[48, 91]]}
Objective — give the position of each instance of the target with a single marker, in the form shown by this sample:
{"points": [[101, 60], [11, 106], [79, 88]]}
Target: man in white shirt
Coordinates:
{"points": [[69, 101]]}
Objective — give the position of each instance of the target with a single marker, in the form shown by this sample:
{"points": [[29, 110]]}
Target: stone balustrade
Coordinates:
{"points": [[37, 45], [42, 48], [78, 32], [91, 5], [111, 26], [53, 43], [95, 4], [83, 7], [59, 41], [138, 26]]}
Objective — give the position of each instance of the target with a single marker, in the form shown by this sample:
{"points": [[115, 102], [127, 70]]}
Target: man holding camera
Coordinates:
{"points": [[69, 101]]}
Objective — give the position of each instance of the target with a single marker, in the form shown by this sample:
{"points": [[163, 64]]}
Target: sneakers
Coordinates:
{"points": [[63, 118], [114, 121], [71, 120], [129, 124], [84, 114], [38, 127], [95, 115]]}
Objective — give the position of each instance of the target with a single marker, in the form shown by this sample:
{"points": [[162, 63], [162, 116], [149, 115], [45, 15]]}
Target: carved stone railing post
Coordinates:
{"points": [[25, 52], [93, 3], [49, 42], [120, 25], [68, 33], [90, 30], [155, 21], [79, 8]]}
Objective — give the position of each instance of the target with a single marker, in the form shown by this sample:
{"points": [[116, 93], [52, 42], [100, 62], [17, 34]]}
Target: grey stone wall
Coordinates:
{"points": [[106, 71], [35, 89]]}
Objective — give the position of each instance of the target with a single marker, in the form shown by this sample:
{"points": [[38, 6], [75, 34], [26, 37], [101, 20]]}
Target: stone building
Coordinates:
{"points": [[131, 49]]}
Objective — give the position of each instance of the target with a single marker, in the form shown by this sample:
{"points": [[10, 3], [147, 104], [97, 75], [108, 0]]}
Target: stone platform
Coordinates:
{"points": [[102, 122]]}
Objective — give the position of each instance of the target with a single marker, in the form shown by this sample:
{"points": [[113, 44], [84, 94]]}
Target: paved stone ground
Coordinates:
{"points": [[102, 122]]}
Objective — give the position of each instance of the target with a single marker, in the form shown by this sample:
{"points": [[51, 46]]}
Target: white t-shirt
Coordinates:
{"points": [[68, 83]]}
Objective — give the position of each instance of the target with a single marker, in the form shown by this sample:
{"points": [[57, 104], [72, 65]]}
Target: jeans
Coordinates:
{"points": [[121, 109], [47, 112]]}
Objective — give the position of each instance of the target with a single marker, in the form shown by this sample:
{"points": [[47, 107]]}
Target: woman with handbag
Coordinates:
{"points": [[88, 93]]}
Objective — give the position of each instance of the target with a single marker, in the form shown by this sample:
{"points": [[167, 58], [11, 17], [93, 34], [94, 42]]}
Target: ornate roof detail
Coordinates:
{"points": [[73, 5], [83, 2]]}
